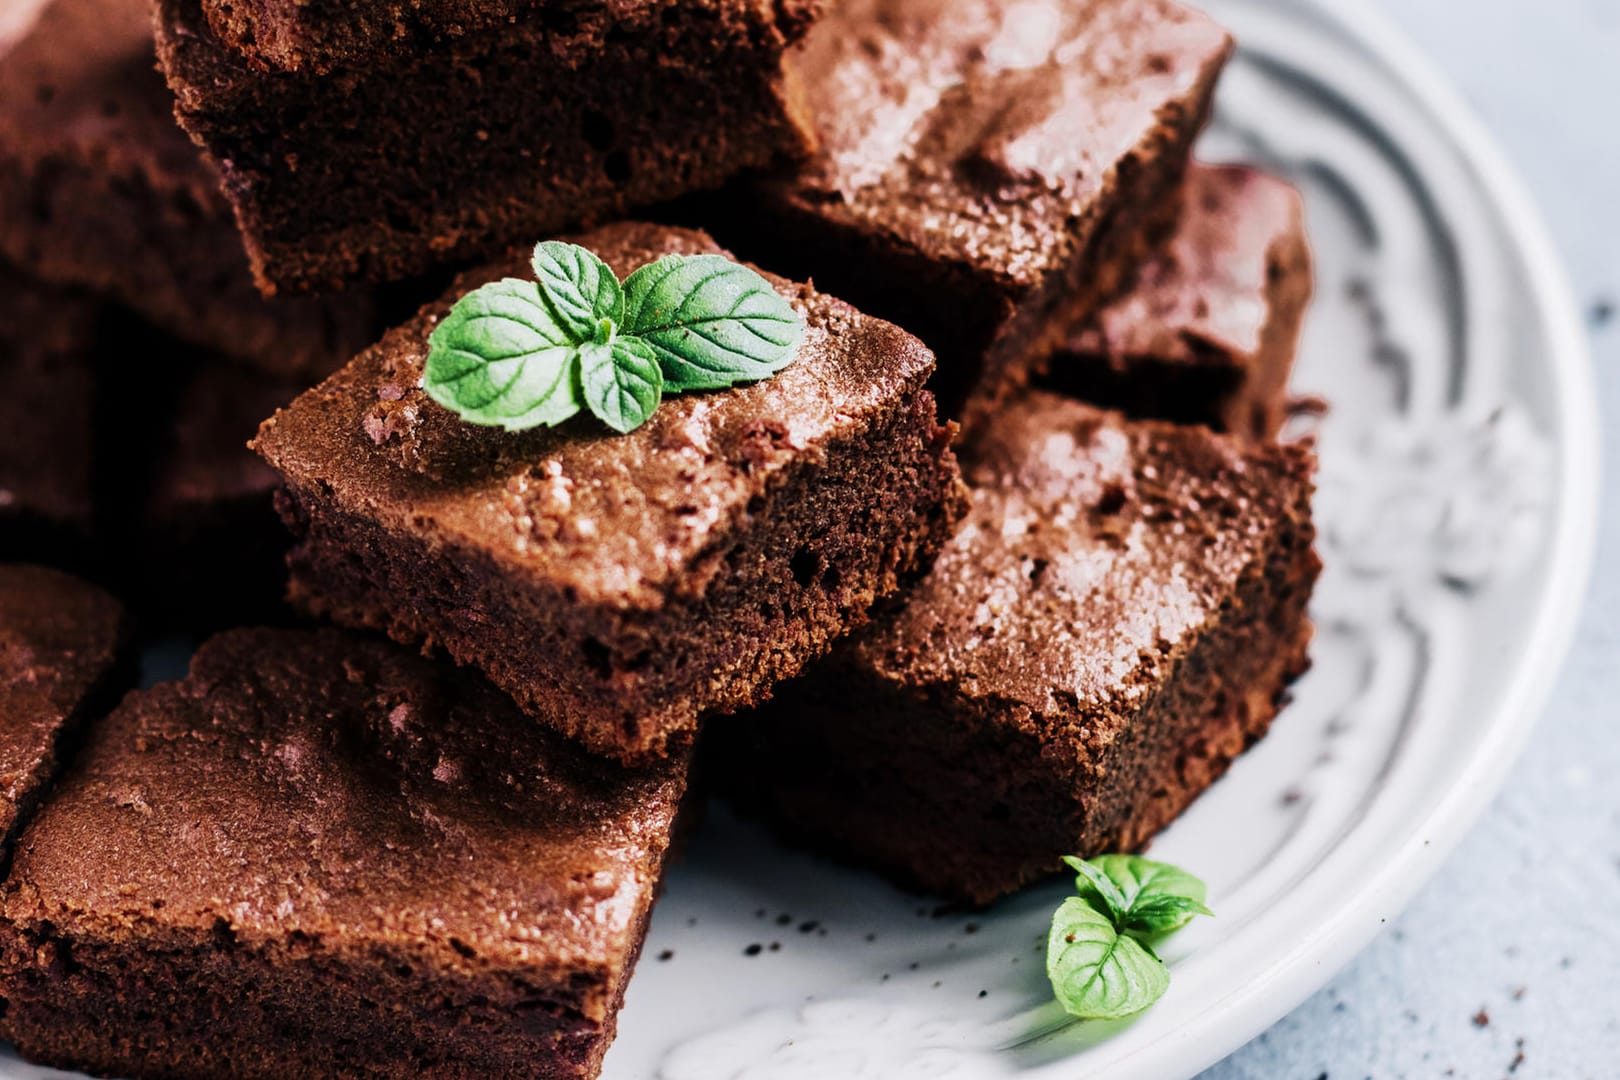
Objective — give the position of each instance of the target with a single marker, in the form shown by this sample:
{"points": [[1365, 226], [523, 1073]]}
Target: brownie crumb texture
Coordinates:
{"points": [[367, 856], [620, 587], [1115, 622]]}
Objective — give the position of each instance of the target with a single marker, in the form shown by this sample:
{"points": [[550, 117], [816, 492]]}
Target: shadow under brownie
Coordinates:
{"points": [[319, 854], [47, 421], [621, 586], [1117, 619]]}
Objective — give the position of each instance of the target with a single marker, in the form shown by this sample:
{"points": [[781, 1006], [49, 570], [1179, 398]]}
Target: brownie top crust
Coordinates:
{"points": [[1092, 542], [319, 35], [318, 787], [981, 132], [1207, 296], [60, 639], [621, 520], [82, 75]]}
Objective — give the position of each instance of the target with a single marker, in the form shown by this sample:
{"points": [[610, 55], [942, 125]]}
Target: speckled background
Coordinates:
{"points": [[1508, 963]]}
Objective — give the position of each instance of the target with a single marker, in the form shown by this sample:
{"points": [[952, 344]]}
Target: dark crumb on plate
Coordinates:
{"points": [[984, 993], [667, 954], [806, 927], [754, 950], [1601, 313], [784, 919], [1482, 1018], [776, 946]]}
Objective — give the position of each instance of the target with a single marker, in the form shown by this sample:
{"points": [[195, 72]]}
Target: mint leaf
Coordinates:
{"points": [[578, 288], [1097, 972], [711, 322], [622, 382], [1099, 888], [501, 358], [1146, 899], [516, 354]]}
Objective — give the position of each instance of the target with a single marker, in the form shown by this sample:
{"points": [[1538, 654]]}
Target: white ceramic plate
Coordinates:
{"points": [[1457, 513], [1459, 484]]}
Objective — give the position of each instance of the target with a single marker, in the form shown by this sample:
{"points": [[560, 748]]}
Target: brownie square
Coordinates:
{"points": [[1116, 620], [47, 420], [214, 549], [319, 35], [618, 586], [322, 855], [563, 114], [62, 651], [1208, 333], [989, 171], [100, 189]]}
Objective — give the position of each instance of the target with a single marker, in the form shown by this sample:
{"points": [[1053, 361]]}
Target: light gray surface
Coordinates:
{"points": [[1508, 963]]}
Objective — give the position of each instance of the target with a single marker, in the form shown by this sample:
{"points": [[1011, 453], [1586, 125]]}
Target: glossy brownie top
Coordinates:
{"points": [[1207, 297], [1094, 548], [616, 519], [981, 132], [319, 35], [59, 640], [315, 786]]}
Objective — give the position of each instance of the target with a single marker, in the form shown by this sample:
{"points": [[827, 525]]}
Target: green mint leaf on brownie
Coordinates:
{"points": [[622, 382], [1146, 899], [711, 322], [1097, 972], [578, 287], [501, 358], [517, 354]]}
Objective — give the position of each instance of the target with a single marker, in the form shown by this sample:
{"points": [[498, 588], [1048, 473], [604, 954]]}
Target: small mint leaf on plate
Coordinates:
{"points": [[501, 358], [1147, 899], [1098, 973], [711, 322], [622, 382], [578, 287]]}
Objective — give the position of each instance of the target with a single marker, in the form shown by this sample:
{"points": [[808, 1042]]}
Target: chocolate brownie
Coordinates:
{"points": [[322, 855], [320, 34], [100, 189], [565, 114], [214, 548], [1208, 333], [1115, 622], [989, 170], [618, 586], [61, 652], [47, 420]]}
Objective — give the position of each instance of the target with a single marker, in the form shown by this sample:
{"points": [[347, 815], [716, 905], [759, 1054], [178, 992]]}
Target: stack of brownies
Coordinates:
{"points": [[1007, 564]]}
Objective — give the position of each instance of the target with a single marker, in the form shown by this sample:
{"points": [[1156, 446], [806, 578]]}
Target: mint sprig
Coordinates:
{"points": [[1099, 955], [517, 354]]}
